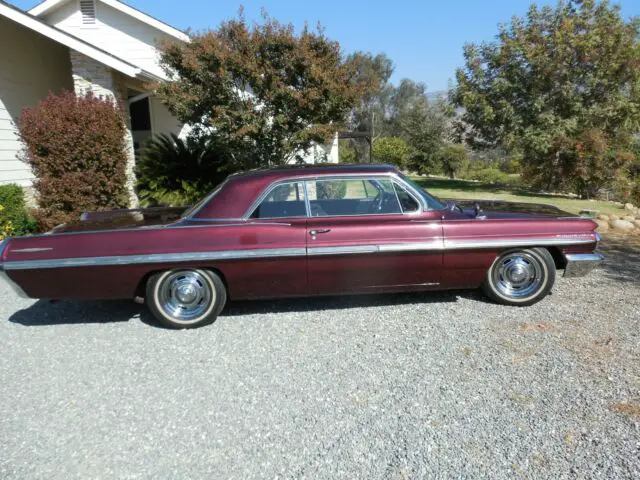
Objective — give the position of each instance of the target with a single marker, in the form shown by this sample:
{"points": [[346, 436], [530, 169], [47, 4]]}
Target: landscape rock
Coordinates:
{"points": [[636, 223], [629, 218], [614, 217], [623, 225], [603, 225], [602, 216], [629, 207]]}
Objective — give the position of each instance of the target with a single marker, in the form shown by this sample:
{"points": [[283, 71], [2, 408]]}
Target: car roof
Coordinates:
{"points": [[315, 170], [241, 189]]}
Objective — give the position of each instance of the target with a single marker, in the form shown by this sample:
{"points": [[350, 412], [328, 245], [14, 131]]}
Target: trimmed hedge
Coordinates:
{"points": [[76, 149], [14, 216]]}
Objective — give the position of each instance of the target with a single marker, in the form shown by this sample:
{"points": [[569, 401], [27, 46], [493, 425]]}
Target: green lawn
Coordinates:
{"points": [[463, 189]]}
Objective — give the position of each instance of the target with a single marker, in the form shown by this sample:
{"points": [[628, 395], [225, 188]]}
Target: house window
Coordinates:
{"points": [[88, 12]]}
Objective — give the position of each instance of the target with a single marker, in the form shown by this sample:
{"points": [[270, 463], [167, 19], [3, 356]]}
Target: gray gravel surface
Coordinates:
{"points": [[441, 385]]}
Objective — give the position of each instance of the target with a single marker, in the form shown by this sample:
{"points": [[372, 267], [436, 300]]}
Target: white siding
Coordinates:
{"points": [[115, 32], [162, 121], [30, 68]]}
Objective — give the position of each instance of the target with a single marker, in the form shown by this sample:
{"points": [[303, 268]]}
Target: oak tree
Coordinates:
{"points": [[561, 86], [263, 90]]}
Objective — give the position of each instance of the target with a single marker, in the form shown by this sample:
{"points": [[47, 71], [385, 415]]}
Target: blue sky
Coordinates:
{"points": [[424, 38]]}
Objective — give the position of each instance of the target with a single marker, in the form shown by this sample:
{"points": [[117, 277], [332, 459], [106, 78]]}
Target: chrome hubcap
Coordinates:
{"points": [[517, 275], [185, 296]]}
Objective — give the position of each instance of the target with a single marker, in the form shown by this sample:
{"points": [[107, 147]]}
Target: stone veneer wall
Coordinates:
{"points": [[90, 75]]}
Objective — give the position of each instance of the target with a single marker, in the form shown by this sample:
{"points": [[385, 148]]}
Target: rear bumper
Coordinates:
{"points": [[579, 264], [3, 274]]}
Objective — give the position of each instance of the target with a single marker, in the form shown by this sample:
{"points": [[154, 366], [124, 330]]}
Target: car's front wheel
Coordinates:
{"points": [[520, 277], [186, 298]]}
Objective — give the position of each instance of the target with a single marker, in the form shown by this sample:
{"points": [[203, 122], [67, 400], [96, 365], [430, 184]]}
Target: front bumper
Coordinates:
{"points": [[579, 264]]}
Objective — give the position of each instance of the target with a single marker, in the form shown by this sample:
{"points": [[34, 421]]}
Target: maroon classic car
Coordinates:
{"points": [[297, 232]]}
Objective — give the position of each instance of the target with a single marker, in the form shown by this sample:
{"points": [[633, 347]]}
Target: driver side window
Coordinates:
{"points": [[357, 196]]}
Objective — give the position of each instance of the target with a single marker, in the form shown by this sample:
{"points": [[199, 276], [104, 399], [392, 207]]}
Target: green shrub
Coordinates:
{"points": [[392, 150], [76, 149], [454, 160], [493, 175], [14, 216], [176, 171]]}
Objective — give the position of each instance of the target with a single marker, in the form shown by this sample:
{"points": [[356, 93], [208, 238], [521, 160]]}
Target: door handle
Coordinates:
{"points": [[313, 233]]}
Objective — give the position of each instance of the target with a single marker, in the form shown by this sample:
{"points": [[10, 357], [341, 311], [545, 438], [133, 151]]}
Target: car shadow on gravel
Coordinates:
{"points": [[48, 313], [622, 262], [309, 304]]}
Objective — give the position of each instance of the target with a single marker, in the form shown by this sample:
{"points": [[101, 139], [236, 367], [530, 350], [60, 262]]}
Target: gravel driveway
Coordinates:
{"points": [[435, 385]]}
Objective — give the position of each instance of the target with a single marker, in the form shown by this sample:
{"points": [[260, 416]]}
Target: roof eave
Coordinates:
{"points": [[67, 40], [49, 5]]}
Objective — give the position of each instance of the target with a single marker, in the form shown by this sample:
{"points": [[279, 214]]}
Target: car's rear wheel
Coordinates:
{"points": [[186, 298], [520, 277]]}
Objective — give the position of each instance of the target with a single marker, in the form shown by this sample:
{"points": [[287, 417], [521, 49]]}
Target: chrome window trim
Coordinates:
{"points": [[307, 202], [265, 194], [404, 186], [393, 176], [390, 177]]}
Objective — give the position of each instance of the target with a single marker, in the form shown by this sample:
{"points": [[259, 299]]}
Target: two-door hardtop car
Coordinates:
{"points": [[289, 232]]}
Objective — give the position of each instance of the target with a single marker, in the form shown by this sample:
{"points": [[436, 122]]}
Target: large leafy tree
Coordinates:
{"points": [[265, 90], [425, 127], [374, 72], [562, 86]]}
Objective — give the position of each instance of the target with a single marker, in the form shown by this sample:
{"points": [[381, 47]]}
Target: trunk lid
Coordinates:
{"points": [[516, 210], [123, 219]]}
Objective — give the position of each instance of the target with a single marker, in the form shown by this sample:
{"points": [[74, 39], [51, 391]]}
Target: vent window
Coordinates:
{"points": [[88, 11]]}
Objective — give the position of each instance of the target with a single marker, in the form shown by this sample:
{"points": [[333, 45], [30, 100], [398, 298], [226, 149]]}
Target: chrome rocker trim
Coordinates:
{"points": [[580, 264]]}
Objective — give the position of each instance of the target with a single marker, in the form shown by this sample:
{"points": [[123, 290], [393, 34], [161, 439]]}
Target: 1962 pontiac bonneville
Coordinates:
{"points": [[298, 232]]}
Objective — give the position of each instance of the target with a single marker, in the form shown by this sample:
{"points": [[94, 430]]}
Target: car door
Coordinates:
{"points": [[361, 237], [277, 224]]}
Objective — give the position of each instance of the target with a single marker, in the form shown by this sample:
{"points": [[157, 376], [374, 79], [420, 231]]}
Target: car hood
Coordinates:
{"points": [[502, 209]]}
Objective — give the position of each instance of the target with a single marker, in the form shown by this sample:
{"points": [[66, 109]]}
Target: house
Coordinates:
{"points": [[102, 46]]}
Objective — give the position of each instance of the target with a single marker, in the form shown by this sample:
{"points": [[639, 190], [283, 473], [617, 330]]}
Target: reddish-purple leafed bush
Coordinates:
{"points": [[76, 149]]}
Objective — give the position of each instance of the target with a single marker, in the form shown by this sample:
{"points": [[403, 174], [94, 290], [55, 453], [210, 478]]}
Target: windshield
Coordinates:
{"points": [[432, 202]]}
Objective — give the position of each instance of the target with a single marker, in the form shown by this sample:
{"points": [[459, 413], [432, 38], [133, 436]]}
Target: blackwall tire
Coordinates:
{"points": [[185, 298], [520, 277]]}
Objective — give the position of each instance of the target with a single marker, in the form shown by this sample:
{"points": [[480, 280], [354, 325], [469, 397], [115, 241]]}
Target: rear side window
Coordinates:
{"points": [[344, 197], [284, 200]]}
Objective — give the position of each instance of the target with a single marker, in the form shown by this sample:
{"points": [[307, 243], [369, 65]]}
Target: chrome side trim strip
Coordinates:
{"points": [[32, 250], [156, 258], [436, 244], [346, 250], [524, 242]]}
